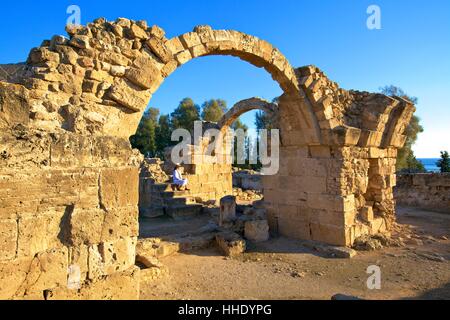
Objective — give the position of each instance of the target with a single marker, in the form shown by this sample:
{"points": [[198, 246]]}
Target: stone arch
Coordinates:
{"points": [[245, 106], [110, 70]]}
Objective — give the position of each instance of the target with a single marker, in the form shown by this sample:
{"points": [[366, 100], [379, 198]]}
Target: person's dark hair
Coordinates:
{"points": [[177, 167]]}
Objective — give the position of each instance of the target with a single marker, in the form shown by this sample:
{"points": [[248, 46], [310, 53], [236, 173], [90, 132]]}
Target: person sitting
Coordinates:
{"points": [[178, 180]]}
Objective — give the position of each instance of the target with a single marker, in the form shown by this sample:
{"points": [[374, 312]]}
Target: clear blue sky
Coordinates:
{"points": [[412, 50]]}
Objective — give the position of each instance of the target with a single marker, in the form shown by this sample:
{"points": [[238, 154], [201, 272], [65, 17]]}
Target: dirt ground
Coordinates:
{"points": [[284, 269]]}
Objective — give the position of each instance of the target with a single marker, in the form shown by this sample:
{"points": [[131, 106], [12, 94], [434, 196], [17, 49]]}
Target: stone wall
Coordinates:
{"points": [[247, 180], [68, 213], [427, 191]]}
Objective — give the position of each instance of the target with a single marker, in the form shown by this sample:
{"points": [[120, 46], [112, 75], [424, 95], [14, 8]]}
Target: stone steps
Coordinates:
{"points": [[181, 212], [152, 212]]}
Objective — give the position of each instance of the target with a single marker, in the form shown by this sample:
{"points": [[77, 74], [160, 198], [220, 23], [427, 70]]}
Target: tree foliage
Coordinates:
{"points": [[444, 162], [185, 115], [406, 160], [145, 138], [213, 110]]}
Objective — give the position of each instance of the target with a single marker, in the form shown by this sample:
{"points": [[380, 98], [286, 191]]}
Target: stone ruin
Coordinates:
{"points": [[69, 179]]}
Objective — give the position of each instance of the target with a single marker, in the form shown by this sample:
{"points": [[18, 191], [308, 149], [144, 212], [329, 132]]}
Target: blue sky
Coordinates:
{"points": [[411, 50]]}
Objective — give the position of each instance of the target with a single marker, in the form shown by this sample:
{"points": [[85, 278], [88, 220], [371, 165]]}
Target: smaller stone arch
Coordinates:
{"points": [[245, 106]]}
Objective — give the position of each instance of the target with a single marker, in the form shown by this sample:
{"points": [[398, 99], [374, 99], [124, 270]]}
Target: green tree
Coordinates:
{"points": [[264, 120], [444, 162], [185, 115], [163, 135], [406, 160], [239, 125], [145, 138], [213, 110]]}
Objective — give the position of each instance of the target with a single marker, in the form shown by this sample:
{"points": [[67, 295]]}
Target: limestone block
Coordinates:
{"points": [[144, 73], [367, 214], [159, 48], [119, 188], [80, 41], [257, 231], [153, 273], [227, 209], [138, 32], [110, 257], [183, 57], [154, 247], [42, 55], [46, 270], [169, 68], [190, 39], [205, 33], [378, 225], [8, 239], [86, 226], [12, 275], [119, 286], [231, 244], [320, 151], [296, 227], [40, 233], [157, 32], [334, 235], [198, 51], [175, 45], [128, 95]]}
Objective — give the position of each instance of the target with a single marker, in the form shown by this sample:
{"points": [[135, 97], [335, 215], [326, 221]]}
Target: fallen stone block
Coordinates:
{"points": [[227, 210], [231, 244], [155, 247], [153, 273], [342, 252], [257, 231], [148, 261]]}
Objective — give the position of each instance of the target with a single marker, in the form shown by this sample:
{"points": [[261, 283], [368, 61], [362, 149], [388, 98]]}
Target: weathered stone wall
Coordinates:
{"points": [[68, 204], [247, 181], [427, 191]]}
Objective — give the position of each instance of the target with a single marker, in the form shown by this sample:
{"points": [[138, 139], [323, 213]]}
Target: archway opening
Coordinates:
{"points": [[164, 211]]}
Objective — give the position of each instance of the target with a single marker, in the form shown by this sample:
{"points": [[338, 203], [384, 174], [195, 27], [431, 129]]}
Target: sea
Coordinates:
{"points": [[430, 164]]}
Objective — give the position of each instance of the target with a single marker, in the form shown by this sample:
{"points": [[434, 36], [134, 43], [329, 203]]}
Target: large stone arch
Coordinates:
{"points": [[69, 178], [245, 106]]}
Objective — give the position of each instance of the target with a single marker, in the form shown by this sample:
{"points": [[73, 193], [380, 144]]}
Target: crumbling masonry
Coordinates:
{"points": [[69, 178]]}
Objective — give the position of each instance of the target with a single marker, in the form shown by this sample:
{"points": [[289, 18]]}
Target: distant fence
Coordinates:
{"points": [[429, 191]]}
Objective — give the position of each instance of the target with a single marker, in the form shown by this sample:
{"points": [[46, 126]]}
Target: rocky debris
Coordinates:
{"points": [[430, 256], [247, 195], [151, 169], [147, 261], [155, 247], [378, 242], [331, 251], [367, 243], [153, 273], [196, 242], [231, 244], [257, 231]]}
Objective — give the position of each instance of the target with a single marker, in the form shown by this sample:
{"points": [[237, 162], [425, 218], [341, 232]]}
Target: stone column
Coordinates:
{"points": [[227, 209]]}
